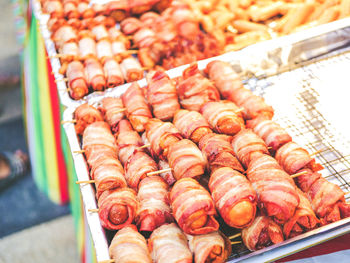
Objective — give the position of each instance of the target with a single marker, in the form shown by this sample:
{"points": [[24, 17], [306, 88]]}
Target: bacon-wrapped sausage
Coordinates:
{"points": [[161, 135], [70, 9], [273, 134], [94, 74], [130, 25], [303, 220], [85, 11], [191, 124], [118, 9], [131, 69], [292, 158], [84, 115], [87, 45], [219, 152], [253, 105], [113, 73], [223, 116], [193, 207], [167, 176], [118, 50], [246, 145], [128, 140], [137, 110], [161, 94], [327, 199], [262, 233], [234, 197], [186, 160], [154, 211], [69, 52], [116, 35], [111, 109], [117, 208], [104, 50], [195, 90], [145, 37], [225, 78], [275, 188], [212, 247], [54, 8], [168, 238], [78, 87], [100, 32], [137, 167], [108, 174], [128, 245]]}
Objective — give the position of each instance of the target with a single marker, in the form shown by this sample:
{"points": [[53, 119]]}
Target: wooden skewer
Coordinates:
{"points": [[93, 210], [85, 182], [239, 110], [346, 193], [119, 111], [107, 261], [69, 121], [234, 236], [298, 174], [236, 242], [145, 146], [80, 151], [144, 68], [159, 171], [63, 79]]}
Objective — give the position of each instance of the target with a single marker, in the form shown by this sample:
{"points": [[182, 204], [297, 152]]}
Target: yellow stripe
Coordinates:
{"points": [[47, 126]]}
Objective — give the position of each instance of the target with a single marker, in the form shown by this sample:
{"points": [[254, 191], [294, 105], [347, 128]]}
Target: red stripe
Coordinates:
{"points": [[56, 118], [334, 245]]}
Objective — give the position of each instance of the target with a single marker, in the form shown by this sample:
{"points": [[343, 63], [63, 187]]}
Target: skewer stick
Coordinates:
{"points": [[234, 236], [239, 110], [145, 146], [80, 151], [298, 174], [145, 68], [346, 193], [63, 79], [236, 242], [93, 210], [69, 121], [159, 171], [119, 111], [85, 182], [107, 261]]}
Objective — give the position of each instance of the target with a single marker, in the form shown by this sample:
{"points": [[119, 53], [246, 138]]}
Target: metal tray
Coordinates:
{"points": [[274, 55], [302, 99]]}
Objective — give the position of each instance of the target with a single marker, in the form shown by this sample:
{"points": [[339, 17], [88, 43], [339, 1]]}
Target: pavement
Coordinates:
{"points": [[27, 216]]}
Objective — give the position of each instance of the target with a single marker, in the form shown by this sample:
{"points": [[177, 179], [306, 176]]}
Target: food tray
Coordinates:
{"points": [[301, 99], [274, 55]]}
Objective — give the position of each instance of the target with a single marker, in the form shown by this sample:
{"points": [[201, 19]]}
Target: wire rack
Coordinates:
{"points": [[304, 107]]}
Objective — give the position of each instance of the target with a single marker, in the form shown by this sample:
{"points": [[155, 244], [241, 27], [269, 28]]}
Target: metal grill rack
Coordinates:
{"points": [[298, 97]]}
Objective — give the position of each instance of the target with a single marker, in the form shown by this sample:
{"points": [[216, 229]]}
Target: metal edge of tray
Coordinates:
{"points": [[87, 191], [266, 48]]}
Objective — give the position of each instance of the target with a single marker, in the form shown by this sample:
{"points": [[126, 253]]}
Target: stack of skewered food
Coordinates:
{"points": [[173, 157]]}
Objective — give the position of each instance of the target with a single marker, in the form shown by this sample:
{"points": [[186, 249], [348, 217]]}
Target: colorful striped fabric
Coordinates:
{"points": [[51, 160]]}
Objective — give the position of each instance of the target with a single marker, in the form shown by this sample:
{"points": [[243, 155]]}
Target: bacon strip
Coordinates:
{"points": [[191, 124], [273, 134], [303, 220], [161, 94], [137, 109], [234, 197], [161, 135], [87, 46], [212, 247], [262, 233], [117, 208], [186, 160], [154, 211], [219, 152], [253, 105], [69, 51], [84, 115], [131, 69], [195, 90], [128, 141], [168, 238], [113, 73], [128, 245], [104, 50], [137, 167], [225, 78], [223, 116], [193, 207], [100, 32], [64, 34], [292, 158], [111, 109], [130, 25], [98, 133], [275, 188], [246, 145], [95, 75], [78, 87]]}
